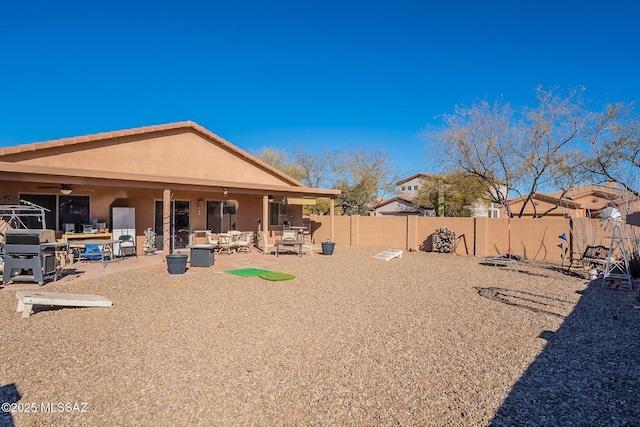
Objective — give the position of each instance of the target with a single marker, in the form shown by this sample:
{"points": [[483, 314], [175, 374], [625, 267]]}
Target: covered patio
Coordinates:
{"points": [[177, 177]]}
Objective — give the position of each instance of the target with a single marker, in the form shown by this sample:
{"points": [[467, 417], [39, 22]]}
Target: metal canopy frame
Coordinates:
{"points": [[14, 216]]}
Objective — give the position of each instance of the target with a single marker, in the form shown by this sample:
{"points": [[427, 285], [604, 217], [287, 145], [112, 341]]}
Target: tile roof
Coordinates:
{"points": [[416, 175], [187, 125]]}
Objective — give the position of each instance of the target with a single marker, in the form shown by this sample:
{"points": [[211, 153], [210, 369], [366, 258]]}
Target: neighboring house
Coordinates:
{"points": [[484, 209], [407, 190], [411, 186], [581, 201], [401, 205], [179, 177]]}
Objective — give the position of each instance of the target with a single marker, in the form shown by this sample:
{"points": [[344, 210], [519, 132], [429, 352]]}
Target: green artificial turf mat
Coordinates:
{"points": [[274, 276], [247, 272]]}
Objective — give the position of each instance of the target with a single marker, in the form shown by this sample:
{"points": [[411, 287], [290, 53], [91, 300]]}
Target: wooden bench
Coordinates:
{"points": [[27, 299], [592, 255]]}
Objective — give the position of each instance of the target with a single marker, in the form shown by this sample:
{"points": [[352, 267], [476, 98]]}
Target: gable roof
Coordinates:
{"points": [[401, 199], [414, 176], [547, 198], [23, 152], [603, 191]]}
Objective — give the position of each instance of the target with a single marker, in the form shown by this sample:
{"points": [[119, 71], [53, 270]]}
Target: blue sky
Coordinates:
{"points": [[315, 74]]}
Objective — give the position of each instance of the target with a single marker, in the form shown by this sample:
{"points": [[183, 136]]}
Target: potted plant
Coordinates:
{"points": [[149, 241]]}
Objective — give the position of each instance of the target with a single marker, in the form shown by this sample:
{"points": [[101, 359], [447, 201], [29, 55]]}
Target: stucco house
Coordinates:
{"points": [[177, 176], [584, 201], [407, 190], [402, 204]]}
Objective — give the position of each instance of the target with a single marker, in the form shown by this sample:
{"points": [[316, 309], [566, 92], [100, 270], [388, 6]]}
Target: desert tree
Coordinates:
{"points": [[548, 151], [614, 137], [363, 176], [451, 194], [516, 152], [282, 161], [480, 141]]}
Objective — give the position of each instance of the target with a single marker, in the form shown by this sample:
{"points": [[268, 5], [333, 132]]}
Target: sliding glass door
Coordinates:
{"points": [[180, 225], [221, 215]]}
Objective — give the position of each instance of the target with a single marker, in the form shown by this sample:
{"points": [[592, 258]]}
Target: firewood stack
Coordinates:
{"points": [[444, 240]]}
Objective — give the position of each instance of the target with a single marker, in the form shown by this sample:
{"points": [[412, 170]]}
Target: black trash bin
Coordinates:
{"points": [[327, 248], [177, 263]]}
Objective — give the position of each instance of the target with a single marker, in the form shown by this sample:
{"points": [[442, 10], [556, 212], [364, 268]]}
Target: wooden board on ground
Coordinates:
{"points": [[27, 299], [389, 254], [500, 261]]}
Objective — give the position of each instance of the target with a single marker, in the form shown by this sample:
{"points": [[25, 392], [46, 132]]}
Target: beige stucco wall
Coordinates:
{"points": [[532, 238], [180, 153]]}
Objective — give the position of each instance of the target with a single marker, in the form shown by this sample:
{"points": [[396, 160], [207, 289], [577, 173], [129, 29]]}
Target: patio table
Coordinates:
{"points": [[295, 244]]}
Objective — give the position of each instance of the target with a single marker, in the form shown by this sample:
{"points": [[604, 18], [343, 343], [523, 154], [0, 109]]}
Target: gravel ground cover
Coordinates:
{"points": [[427, 339]]}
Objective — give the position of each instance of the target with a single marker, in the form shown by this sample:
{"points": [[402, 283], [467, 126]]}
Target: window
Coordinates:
{"points": [[221, 215], [403, 188], [73, 210], [47, 201], [278, 213], [415, 187]]}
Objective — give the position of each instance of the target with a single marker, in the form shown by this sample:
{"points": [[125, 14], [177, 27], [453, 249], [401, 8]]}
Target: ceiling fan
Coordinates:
{"points": [[64, 188]]}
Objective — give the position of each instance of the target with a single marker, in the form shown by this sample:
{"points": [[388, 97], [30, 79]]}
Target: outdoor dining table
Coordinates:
{"points": [[296, 244], [101, 244]]}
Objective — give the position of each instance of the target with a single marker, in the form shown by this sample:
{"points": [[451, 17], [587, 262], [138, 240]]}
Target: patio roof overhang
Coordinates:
{"points": [[56, 175]]}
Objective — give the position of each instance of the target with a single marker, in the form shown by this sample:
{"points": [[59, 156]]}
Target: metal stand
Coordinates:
{"points": [[617, 268]]}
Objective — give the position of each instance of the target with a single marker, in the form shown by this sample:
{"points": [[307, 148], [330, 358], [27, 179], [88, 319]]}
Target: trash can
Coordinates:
{"points": [[177, 263], [327, 248]]}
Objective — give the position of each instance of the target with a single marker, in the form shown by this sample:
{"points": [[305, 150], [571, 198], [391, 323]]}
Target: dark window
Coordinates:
{"points": [[47, 201], [221, 215], [73, 210], [278, 213]]}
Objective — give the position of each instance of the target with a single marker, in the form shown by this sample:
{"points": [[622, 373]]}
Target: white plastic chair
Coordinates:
{"points": [[263, 243], [244, 242]]}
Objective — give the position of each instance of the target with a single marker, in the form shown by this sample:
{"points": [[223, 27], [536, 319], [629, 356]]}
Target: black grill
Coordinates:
{"points": [[27, 259]]}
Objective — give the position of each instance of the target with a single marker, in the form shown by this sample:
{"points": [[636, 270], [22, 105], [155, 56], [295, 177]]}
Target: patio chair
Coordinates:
{"points": [[308, 233], [212, 238], [289, 235], [244, 242], [227, 243], [263, 243], [127, 245], [93, 253], [307, 244]]}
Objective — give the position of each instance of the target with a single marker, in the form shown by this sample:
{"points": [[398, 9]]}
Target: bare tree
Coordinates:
{"points": [[516, 152], [282, 161], [362, 175], [481, 142], [315, 170], [614, 136], [548, 153]]}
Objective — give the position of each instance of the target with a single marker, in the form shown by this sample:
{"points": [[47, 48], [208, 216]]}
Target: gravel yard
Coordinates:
{"points": [[428, 339]]}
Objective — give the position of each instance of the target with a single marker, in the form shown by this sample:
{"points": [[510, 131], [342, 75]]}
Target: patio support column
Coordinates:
{"points": [[166, 221], [332, 205], [265, 214]]}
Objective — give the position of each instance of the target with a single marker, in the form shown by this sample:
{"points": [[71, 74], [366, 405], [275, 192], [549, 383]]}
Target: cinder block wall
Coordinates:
{"points": [[531, 238]]}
